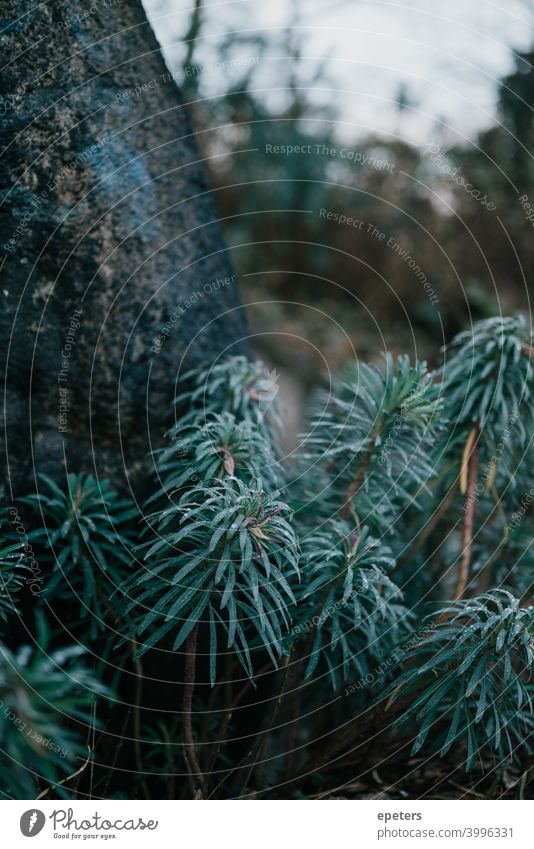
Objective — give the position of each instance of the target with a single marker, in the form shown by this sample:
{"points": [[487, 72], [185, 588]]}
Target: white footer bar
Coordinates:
{"points": [[342, 824]]}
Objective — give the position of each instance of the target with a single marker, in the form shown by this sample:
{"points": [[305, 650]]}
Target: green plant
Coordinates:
{"points": [[348, 604], [235, 385], [13, 574], [468, 678], [487, 378], [46, 700], [372, 434], [86, 538], [218, 557], [411, 487], [487, 381], [221, 447]]}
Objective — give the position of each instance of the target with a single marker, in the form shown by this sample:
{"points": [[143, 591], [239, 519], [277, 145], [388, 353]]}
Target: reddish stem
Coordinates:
{"points": [[469, 521], [187, 704]]}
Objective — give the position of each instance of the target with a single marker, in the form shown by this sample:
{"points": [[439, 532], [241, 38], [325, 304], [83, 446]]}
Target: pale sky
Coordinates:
{"points": [[449, 55]]}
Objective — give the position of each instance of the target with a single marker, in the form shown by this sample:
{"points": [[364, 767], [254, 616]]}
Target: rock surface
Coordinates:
{"points": [[115, 277]]}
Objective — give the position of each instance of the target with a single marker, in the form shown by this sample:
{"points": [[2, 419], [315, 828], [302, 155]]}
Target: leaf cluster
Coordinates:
{"points": [[468, 678]]}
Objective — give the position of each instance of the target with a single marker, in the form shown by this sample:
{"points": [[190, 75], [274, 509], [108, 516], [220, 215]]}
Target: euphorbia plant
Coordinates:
{"points": [[412, 485]]}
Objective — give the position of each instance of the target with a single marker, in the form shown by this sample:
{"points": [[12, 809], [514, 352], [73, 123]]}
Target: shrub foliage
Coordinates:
{"points": [[308, 580]]}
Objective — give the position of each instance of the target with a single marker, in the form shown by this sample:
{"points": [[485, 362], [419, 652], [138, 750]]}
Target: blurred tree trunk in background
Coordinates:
{"points": [[114, 271]]}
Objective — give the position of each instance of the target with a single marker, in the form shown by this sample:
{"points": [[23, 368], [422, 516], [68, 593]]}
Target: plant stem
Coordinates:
{"points": [[486, 573], [293, 732], [189, 687], [428, 529], [120, 742], [68, 778], [359, 476], [469, 520], [265, 733], [137, 717], [92, 733], [356, 483], [229, 713], [193, 32], [372, 723]]}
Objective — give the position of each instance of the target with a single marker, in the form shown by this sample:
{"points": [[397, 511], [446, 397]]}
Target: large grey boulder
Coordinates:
{"points": [[115, 276]]}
